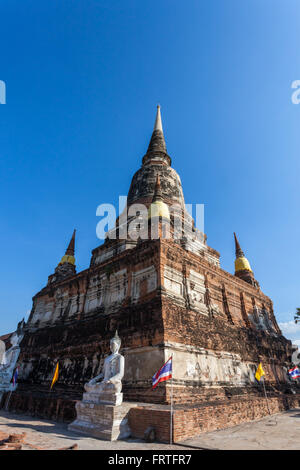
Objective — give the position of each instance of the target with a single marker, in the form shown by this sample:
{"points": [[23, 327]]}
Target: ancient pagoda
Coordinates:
{"points": [[165, 296]]}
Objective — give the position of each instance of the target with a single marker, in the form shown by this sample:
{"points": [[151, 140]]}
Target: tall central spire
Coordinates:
{"points": [[158, 123], [157, 149], [156, 162], [71, 248], [157, 142]]}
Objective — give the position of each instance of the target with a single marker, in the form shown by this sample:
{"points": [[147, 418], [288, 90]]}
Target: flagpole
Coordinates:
{"points": [[263, 381], [14, 385], [171, 414]]}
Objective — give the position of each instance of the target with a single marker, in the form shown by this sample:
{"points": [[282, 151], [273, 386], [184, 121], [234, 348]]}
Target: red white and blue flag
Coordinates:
{"points": [[294, 372], [164, 373], [15, 377]]}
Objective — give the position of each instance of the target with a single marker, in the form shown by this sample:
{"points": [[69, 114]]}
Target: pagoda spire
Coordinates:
{"points": [[70, 252], [242, 266], [66, 267], [157, 149], [157, 142], [241, 262], [158, 122], [238, 251]]}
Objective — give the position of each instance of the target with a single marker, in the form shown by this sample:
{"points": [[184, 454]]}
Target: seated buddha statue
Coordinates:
{"points": [[112, 372]]}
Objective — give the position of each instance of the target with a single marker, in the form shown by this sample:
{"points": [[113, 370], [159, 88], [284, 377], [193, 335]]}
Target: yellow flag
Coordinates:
{"points": [[55, 376], [260, 372]]}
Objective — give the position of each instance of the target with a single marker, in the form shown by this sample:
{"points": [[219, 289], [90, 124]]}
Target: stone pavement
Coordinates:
{"points": [[275, 432], [48, 435]]}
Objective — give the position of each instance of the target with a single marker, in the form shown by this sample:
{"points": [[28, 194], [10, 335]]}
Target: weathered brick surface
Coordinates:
{"points": [[191, 421], [41, 403], [142, 418]]}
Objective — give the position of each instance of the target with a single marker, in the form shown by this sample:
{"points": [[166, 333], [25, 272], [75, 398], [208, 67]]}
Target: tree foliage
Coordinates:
{"points": [[297, 315]]}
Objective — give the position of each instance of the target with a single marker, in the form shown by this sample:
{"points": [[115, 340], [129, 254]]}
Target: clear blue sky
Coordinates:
{"points": [[83, 79]]}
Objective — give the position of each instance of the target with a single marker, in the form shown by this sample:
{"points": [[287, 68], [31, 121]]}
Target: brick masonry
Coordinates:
{"points": [[192, 421]]}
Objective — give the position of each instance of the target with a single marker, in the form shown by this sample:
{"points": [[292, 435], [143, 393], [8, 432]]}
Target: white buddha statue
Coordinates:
{"points": [[2, 352], [111, 375], [9, 359]]}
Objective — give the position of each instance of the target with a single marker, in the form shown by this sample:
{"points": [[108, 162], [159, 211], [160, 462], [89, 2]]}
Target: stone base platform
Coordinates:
{"points": [[105, 398], [103, 421]]}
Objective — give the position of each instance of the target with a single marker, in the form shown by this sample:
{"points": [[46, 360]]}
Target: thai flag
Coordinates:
{"points": [[294, 372], [15, 377], [164, 373]]}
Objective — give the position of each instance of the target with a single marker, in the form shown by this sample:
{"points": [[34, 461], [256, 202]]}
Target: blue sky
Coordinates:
{"points": [[83, 80]]}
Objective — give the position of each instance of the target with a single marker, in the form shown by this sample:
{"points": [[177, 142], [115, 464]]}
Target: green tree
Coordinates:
{"points": [[297, 316]]}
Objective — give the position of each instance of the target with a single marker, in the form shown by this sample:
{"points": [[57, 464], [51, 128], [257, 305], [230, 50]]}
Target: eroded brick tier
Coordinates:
{"points": [[165, 297]]}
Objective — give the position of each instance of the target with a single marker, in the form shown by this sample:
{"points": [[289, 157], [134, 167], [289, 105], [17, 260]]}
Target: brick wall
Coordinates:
{"points": [[192, 421], [44, 405], [141, 418]]}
